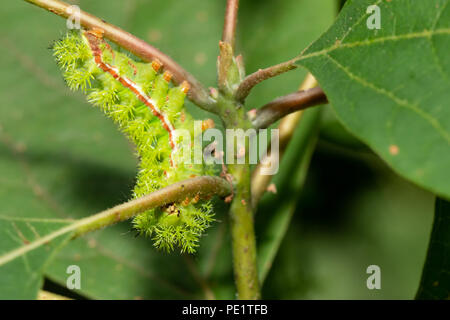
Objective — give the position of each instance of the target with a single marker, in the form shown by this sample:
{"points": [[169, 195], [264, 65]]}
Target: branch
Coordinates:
{"points": [[204, 186], [226, 79], [197, 94], [229, 27], [283, 106], [287, 127], [243, 236], [262, 74]]}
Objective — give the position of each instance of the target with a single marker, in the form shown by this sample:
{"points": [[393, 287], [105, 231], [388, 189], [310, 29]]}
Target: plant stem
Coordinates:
{"points": [[243, 236], [197, 93], [203, 186], [262, 74], [285, 105], [228, 71], [229, 27], [230, 74], [241, 214]]}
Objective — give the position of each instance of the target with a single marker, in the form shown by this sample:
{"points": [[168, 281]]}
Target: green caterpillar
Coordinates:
{"points": [[147, 108]]}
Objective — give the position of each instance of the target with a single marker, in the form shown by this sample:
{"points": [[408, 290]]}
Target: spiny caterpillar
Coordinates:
{"points": [[147, 108]]}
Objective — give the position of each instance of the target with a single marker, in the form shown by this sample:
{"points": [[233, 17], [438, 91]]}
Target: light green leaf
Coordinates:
{"points": [[60, 159], [277, 209], [435, 283], [25, 252], [391, 87], [353, 212]]}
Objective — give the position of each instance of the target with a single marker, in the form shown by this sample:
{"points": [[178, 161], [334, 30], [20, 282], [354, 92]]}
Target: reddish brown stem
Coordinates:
{"points": [[198, 94], [283, 106], [229, 27], [262, 74]]}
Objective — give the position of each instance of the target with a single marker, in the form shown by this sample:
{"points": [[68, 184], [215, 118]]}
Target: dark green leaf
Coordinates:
{"points": [[24, 254], [435, 283], [391, 87], [278, 208]]}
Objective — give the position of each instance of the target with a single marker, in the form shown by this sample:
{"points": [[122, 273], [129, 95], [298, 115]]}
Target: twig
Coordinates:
{"points": [[198, 94], [229, 27], [200, 186], [287, 126], [243, 236], [203, 186], [283, 106], [226, 62], [262, 74]]}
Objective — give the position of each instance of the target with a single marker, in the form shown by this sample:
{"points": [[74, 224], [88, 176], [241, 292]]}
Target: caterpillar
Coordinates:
{"points": [[148, 108]]}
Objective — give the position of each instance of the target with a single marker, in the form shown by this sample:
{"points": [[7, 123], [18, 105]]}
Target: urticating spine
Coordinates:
{"points": [[148, 109]]}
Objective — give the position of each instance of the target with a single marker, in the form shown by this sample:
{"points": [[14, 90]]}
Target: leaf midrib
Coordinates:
{"points": [[348, 45], [400, 102]]}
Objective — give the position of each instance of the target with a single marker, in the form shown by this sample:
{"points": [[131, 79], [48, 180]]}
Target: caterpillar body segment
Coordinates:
{"points": [[141, 99]]}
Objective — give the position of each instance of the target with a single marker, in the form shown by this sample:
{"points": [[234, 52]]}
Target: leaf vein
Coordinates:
{"points": [[437, 59], [400, 102], [369, 42]]}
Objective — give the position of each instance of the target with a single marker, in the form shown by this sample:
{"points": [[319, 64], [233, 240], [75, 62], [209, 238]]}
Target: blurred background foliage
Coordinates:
{"points": [[60, 158]]}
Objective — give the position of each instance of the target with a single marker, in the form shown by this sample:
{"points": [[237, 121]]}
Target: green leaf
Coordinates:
{"points": [[25, 252], [391, 87], [271, 31], [116, 265], [61, 159], [279, 208], [334, 132], [435, 283], [353, 212], [267, 33]]}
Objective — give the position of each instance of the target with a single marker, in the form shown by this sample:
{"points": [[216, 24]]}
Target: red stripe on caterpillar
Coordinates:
{"points": [[94, 38]]}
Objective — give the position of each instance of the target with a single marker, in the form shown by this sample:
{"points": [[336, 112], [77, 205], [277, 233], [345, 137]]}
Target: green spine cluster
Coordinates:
{"points": [[176, 225]]}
